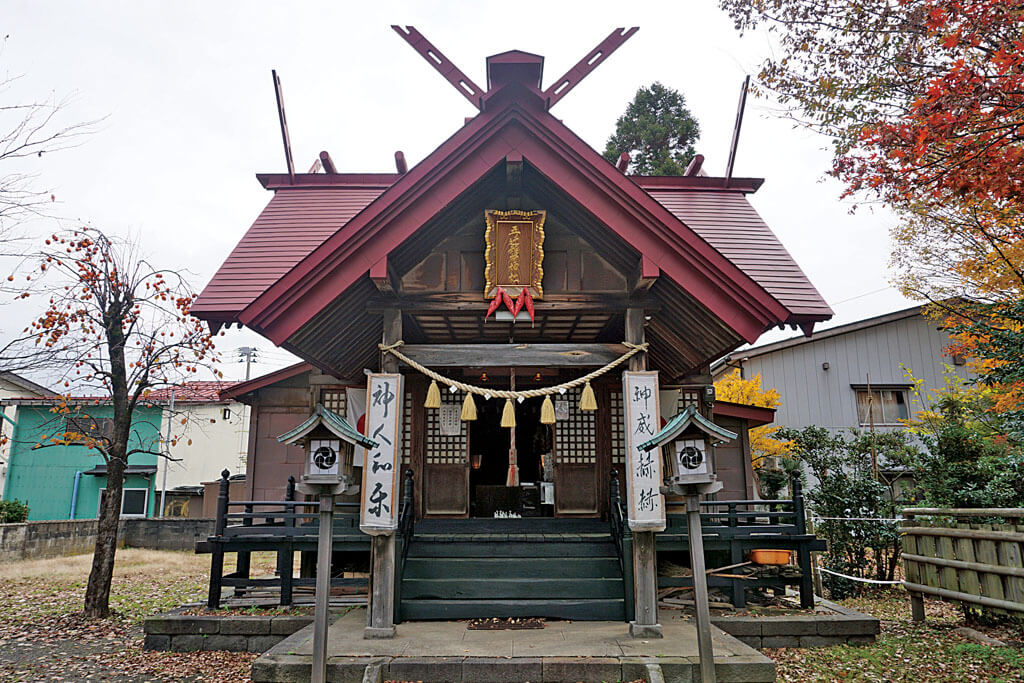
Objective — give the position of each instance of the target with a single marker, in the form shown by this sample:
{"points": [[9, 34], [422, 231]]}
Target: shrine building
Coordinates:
{"points": [[502, 292]]}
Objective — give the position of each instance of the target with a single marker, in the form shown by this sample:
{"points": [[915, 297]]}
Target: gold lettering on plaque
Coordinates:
{"points": [[514, 252]]}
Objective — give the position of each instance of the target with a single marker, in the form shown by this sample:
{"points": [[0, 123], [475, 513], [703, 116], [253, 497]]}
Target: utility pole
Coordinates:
{"points": [[167, 454], [248, 355]]}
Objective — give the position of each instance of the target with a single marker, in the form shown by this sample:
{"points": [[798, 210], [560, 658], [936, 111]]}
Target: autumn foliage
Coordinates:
{"points": [[924, 100], [734, 389], [116, 328]]}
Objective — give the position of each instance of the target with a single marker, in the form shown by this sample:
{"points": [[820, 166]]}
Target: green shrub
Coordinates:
{"points": [[13, 512], [846, 487]]}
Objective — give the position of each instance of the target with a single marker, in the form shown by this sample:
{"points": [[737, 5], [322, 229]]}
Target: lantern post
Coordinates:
{"points": [[687, 442], [329, 443]]}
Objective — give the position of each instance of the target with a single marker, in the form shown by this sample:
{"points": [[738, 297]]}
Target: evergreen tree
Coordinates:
{"points": [[657, 131]]}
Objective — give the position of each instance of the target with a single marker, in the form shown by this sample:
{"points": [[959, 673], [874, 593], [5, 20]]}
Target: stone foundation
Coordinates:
{"points": [[831, 624], [235, 633]]}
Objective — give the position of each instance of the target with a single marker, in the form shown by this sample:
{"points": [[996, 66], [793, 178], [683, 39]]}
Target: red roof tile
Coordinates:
{"points": [[297, 220], [733, 227], [192, 392], [294, 223]]}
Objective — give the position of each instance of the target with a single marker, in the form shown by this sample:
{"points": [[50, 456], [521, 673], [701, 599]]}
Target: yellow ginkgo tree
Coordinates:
{"points": [[735, 389]]}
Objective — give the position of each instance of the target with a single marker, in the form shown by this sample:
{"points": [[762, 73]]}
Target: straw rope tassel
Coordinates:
{"points": [[587, 399], [468, 409], [433, 396], [508, 415], [547, 412]]}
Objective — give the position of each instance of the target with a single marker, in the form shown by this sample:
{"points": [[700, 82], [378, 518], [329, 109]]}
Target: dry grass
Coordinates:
{"points": [[129, 562]]}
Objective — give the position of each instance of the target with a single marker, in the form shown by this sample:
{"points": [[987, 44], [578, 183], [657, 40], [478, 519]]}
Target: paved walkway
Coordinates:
{"points": [[572, 651]]}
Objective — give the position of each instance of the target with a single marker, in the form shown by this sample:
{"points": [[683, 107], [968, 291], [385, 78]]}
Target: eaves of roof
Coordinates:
{"points": [[238, 390], [26, 384], [756, 416]]}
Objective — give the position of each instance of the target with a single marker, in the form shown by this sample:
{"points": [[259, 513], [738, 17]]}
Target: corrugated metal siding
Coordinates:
{"points": [[812, 396], [732, 226], [294, 223]]}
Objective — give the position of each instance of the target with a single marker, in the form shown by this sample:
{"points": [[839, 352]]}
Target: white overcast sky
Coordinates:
{"points": [[189, 111]]}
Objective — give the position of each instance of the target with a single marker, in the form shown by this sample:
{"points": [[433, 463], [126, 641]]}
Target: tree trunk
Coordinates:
{"points": [[97, 592]]}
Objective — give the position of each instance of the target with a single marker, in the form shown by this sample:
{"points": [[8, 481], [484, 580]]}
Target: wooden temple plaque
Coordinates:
{"points": [[515, 252]]}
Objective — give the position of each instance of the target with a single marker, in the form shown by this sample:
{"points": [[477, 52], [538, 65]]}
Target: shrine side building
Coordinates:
{"points": [[594, 263]]}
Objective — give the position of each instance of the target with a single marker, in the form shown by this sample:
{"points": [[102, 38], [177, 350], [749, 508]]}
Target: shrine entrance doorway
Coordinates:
{"points": [[490, 444]]}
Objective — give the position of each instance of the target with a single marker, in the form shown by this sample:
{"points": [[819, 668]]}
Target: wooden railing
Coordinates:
{"points": [[623, 538], [406, 532], [283, 527], [973, 555], [739, 526]]}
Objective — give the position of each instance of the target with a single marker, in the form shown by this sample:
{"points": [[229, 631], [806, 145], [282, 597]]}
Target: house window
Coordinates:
{"points": [[881, 406], [133, 502], [92, 427]]}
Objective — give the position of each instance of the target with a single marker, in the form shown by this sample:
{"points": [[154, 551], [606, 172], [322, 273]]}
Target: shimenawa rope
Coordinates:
{"points": [[504, 393]]}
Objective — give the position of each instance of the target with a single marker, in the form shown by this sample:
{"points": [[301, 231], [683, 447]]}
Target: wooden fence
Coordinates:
{"points": [[972, 555]]}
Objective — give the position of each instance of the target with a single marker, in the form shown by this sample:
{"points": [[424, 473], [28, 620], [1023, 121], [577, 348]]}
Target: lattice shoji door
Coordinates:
{"points": [[618, 418], [335, 401], [576, 437], [444, 450], [407, 429]]}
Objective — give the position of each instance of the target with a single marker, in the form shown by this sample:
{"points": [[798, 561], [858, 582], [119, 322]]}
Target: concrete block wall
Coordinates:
{"points": [[37, 540]]}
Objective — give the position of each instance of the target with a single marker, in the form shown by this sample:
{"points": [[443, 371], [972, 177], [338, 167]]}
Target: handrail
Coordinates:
{"points": [[407, 516], [615, 516]]}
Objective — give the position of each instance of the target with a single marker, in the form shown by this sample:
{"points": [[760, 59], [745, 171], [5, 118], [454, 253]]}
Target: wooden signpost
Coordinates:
{"points": [[379, 509]]}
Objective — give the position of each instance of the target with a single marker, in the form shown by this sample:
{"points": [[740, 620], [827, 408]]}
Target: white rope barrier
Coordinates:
{"points": [[858, 578], [856, 519]]}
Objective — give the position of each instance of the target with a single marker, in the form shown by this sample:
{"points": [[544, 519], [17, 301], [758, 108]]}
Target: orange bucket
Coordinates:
{"points": [[776, 557]]}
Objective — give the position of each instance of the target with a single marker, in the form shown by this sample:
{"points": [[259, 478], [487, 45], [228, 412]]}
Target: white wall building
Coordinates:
{"points": [[215, 435], [823, 380]]}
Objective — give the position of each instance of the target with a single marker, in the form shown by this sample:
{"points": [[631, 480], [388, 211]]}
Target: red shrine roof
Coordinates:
{"points": [[301, 217], [719, 268]]}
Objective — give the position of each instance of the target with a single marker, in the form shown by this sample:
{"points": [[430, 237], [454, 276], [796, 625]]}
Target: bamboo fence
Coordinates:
{"points": [[960, 554]]}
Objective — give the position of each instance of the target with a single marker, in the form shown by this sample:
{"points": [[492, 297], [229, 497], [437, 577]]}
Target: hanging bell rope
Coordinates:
{"points": [[587, 400]]}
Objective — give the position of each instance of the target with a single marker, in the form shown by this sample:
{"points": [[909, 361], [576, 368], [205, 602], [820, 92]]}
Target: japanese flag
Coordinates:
{"points": [[355, 399]]}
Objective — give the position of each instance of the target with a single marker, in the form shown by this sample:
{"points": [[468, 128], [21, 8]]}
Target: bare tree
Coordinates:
{"points": [[117, 326], [29, 129]]}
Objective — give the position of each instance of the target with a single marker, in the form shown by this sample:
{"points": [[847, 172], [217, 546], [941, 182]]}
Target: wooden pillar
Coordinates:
{"points": [[645, 567], [381, 612]]}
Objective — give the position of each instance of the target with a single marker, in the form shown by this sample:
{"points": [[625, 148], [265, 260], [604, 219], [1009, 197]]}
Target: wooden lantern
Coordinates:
{"points": [[329, 441]]}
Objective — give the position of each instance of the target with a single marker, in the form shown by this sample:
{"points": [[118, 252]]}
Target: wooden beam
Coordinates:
{"points": [[454, 302], [484, 355], [644, 276], [384, 278], [513, 180], [392, 334]]}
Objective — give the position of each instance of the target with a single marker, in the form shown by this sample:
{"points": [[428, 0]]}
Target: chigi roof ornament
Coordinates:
{"points": [[477, 96]]}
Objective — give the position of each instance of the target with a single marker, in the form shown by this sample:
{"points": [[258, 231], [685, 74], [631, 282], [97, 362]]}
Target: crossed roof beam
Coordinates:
{"points": [[561, 87]]}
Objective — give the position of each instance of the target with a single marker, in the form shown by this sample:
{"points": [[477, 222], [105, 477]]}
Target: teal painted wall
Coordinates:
{"points": [[45, 477]]}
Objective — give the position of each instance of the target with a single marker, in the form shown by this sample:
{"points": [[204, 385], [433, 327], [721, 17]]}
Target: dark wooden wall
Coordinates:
{"points": [[732, 462], [275, 410]]}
